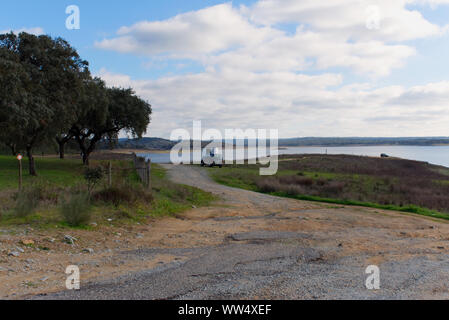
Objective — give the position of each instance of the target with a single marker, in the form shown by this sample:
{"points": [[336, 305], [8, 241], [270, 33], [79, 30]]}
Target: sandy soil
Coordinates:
{"points": [[247, 246]]}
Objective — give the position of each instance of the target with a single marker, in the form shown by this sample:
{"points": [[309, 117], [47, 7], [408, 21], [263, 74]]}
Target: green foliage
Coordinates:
{"points": [[393, 184], [124, 194], [93, 176], [77, 211], [27, 202], [28, 199], [46, 74], [48, 203], [47, 94], [104, 112]]}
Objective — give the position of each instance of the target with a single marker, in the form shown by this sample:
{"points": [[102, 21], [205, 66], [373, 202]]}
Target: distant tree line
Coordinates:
{"points": [[47, 93]]}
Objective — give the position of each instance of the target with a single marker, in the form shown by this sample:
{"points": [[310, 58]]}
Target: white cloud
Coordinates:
{"points": [[347, 18], [204, 31], [253, 68], [311, 50], [329, 34], [36, 31], [298, 105]]}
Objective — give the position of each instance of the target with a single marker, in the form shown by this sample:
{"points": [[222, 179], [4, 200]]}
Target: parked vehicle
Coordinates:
{"points": [[211, 158]]}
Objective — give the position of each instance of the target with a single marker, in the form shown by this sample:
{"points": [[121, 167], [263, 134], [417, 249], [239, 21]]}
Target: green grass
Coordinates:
{"points": [[409, 208], [171, 198], [244, 177], [57, 172], [63, 178]]}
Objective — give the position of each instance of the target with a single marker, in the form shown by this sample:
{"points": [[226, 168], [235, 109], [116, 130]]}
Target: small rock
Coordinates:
{"points": [[94, 224], [340, 245], [51, 240], [27, 242], [441, 248], [139, 236], [14, 254], [88, 250], [20, 250], [44, 279], [110, 220], [3, 269], [194, 207], [29, 261], [69, 239]]}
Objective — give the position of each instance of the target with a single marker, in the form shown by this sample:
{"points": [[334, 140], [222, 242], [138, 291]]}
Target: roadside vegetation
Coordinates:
{"points": [[394, 184], [62, 196]]}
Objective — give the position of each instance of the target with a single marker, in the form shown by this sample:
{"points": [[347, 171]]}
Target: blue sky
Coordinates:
{"points": [[99, 19], [324, 80]]}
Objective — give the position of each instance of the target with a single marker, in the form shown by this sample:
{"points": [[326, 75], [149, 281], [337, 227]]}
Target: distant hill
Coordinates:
{"points": [[335, 142], [164, 144], [146, 143]]}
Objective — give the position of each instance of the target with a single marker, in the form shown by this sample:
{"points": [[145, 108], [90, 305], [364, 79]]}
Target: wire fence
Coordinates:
{"points": [[143, 169]]}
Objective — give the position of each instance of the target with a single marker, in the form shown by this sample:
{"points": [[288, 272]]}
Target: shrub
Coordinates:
{"points": [[77, 211], [114, 195], [293, 190], [123, 194], [92, 177], [298, 180], [268, 185], [27, 202], [334, 188]]}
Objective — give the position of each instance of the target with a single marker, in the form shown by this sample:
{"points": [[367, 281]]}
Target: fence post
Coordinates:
{"points": [[148, 176], [20, 174], [110, 174]]}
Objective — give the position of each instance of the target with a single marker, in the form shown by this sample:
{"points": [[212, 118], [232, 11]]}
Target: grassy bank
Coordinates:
{"points": [[60, 193], [392, 184]]}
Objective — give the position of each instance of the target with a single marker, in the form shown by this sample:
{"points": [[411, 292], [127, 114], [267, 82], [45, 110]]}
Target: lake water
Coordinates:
{"points": [[433, 154]]}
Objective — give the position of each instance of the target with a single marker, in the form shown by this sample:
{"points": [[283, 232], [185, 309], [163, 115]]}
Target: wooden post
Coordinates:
{"points": [[20, 174], [110, 174], [148, 174]]}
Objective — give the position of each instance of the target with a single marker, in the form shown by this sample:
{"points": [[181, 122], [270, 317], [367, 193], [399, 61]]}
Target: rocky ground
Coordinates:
{"points": [[248, 246]]}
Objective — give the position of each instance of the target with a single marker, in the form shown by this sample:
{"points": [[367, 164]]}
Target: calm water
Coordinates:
{"points": [[434, 154]]}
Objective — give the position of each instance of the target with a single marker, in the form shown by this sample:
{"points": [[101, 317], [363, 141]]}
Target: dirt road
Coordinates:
{"points": [[257, 246]]}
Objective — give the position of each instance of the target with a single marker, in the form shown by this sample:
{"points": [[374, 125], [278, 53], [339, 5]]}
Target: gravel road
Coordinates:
{"points": [[255, 246]]}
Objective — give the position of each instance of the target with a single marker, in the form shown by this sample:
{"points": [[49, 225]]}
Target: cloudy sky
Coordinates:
{"points": [[305, 67]]}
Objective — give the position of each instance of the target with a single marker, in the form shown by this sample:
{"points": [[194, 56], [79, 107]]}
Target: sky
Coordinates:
{"points": [[305, 67]]}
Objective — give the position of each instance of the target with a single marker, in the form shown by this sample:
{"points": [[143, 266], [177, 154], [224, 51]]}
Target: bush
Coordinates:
{"points": [[77, 211], [123, 194], [92, 177], [268, 185], [115, 195], [27, 202]]}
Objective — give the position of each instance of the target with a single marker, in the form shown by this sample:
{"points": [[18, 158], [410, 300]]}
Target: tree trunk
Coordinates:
{"points": [[85, 158], [32, 167], [61, 149], [13, 149]]}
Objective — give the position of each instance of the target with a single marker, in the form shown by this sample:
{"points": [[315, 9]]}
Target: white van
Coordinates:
{"points": [[212, 157]]}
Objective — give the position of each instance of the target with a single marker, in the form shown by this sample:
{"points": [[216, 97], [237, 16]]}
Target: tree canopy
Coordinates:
{"points": [[47, 92]]}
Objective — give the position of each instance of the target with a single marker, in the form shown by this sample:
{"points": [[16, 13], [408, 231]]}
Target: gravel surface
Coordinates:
{"points": [[275, 248]]}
